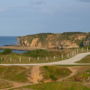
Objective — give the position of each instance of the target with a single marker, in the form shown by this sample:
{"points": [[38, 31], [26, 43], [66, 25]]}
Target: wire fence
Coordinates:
{"points": [[29, 60]]}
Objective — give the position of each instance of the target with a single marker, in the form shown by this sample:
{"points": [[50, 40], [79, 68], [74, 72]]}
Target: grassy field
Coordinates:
{"points": [[85, 60], [54, 72], [20, 74], [53, 77], [5, 84], [82, 76], [13, 73], [56, 86]]}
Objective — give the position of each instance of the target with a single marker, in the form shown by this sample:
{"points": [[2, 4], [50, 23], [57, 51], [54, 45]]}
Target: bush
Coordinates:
{"points": [[7, 51], [37, 53]]}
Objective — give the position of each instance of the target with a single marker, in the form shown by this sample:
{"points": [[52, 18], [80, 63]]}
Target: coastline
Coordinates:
{"points": [[16, 47]]}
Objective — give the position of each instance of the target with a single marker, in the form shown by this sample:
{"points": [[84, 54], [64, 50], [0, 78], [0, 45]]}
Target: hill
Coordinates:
{"points": [[56, 41]]}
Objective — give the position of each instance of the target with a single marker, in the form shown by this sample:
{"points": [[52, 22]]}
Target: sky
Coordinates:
{"points": [[24, 17]]}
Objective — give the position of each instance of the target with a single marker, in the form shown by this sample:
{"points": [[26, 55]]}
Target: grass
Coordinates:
{"points": [[5, 84], [50, 73], [85, 60], [82, 75], [13, 73], [56, 86], [34, 56], [22, 59], [54, 72]]}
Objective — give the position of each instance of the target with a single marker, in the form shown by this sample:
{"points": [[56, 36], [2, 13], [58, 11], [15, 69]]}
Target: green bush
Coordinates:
{"points": [[37, 53], [7, 51]]}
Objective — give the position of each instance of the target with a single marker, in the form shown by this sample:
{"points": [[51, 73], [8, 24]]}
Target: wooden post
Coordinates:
{"points": [[87, 49], [62, 56], [54, 57], [72, 53], [67, 55], [37, 58], [10, 59], [46, 58], [82, 49], [20, 59], [77, 50], [29, 59], [1, 60]]}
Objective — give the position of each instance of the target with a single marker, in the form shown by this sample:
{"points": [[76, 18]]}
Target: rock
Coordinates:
{"points": [[55, 41]]}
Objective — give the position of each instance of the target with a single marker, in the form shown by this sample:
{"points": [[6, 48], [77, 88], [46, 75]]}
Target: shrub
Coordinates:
{"points": [[7, 51]]}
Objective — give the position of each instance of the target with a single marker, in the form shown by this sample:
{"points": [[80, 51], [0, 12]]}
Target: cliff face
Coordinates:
{"points": [[53, 41]]}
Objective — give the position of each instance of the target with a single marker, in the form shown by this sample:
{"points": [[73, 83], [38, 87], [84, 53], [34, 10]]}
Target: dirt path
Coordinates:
{"points": [[15, 84], [18, 86], [35, 75]]}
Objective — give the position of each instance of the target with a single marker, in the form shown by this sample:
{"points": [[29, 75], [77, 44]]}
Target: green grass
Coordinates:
{"points": [[82, 75], [56, 86], [54, 72], [85, 60], [13, 73], [46, 53]]}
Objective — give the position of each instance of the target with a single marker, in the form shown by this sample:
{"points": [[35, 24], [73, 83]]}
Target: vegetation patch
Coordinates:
{"points": [[13, 73], [56, 86], [82, 76], [54, 72], [5, 84]]}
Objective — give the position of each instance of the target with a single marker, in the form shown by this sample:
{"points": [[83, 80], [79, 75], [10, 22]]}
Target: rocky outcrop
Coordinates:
{"points": [[53, 41]]}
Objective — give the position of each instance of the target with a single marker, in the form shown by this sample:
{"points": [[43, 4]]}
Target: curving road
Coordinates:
{"points": [[70, 61]]}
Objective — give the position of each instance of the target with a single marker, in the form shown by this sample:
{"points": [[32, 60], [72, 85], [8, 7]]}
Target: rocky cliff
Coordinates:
{"points": [[53, 41]]}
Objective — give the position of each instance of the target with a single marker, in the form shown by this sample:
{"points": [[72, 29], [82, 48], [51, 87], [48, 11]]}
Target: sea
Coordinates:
{"points": [[9, 40]]}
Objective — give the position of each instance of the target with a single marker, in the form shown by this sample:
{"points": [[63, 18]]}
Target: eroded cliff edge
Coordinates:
{"points": [[55, 40]]}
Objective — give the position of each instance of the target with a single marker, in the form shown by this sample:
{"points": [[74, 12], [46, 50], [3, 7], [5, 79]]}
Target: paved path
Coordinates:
{"points": [[70, 61]]}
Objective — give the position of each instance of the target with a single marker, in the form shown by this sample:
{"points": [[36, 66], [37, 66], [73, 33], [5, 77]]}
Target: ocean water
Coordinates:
{"points": [[9, 40]]}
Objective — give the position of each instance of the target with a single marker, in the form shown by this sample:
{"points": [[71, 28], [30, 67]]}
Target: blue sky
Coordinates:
{"points": [[22, 17]]}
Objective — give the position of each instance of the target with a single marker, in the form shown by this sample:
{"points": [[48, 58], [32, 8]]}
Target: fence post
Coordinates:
{"points": [[10, 59], [74, 53], [67, 55], [77, 50], [54, 57], [46, 58], [62, 56], [20, 59], [1, 60], [82, 50], [37, 58], [87, 49], [29, 59]]}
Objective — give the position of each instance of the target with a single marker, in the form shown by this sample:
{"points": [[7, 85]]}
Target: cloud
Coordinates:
{"points": [[84, 0]]}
